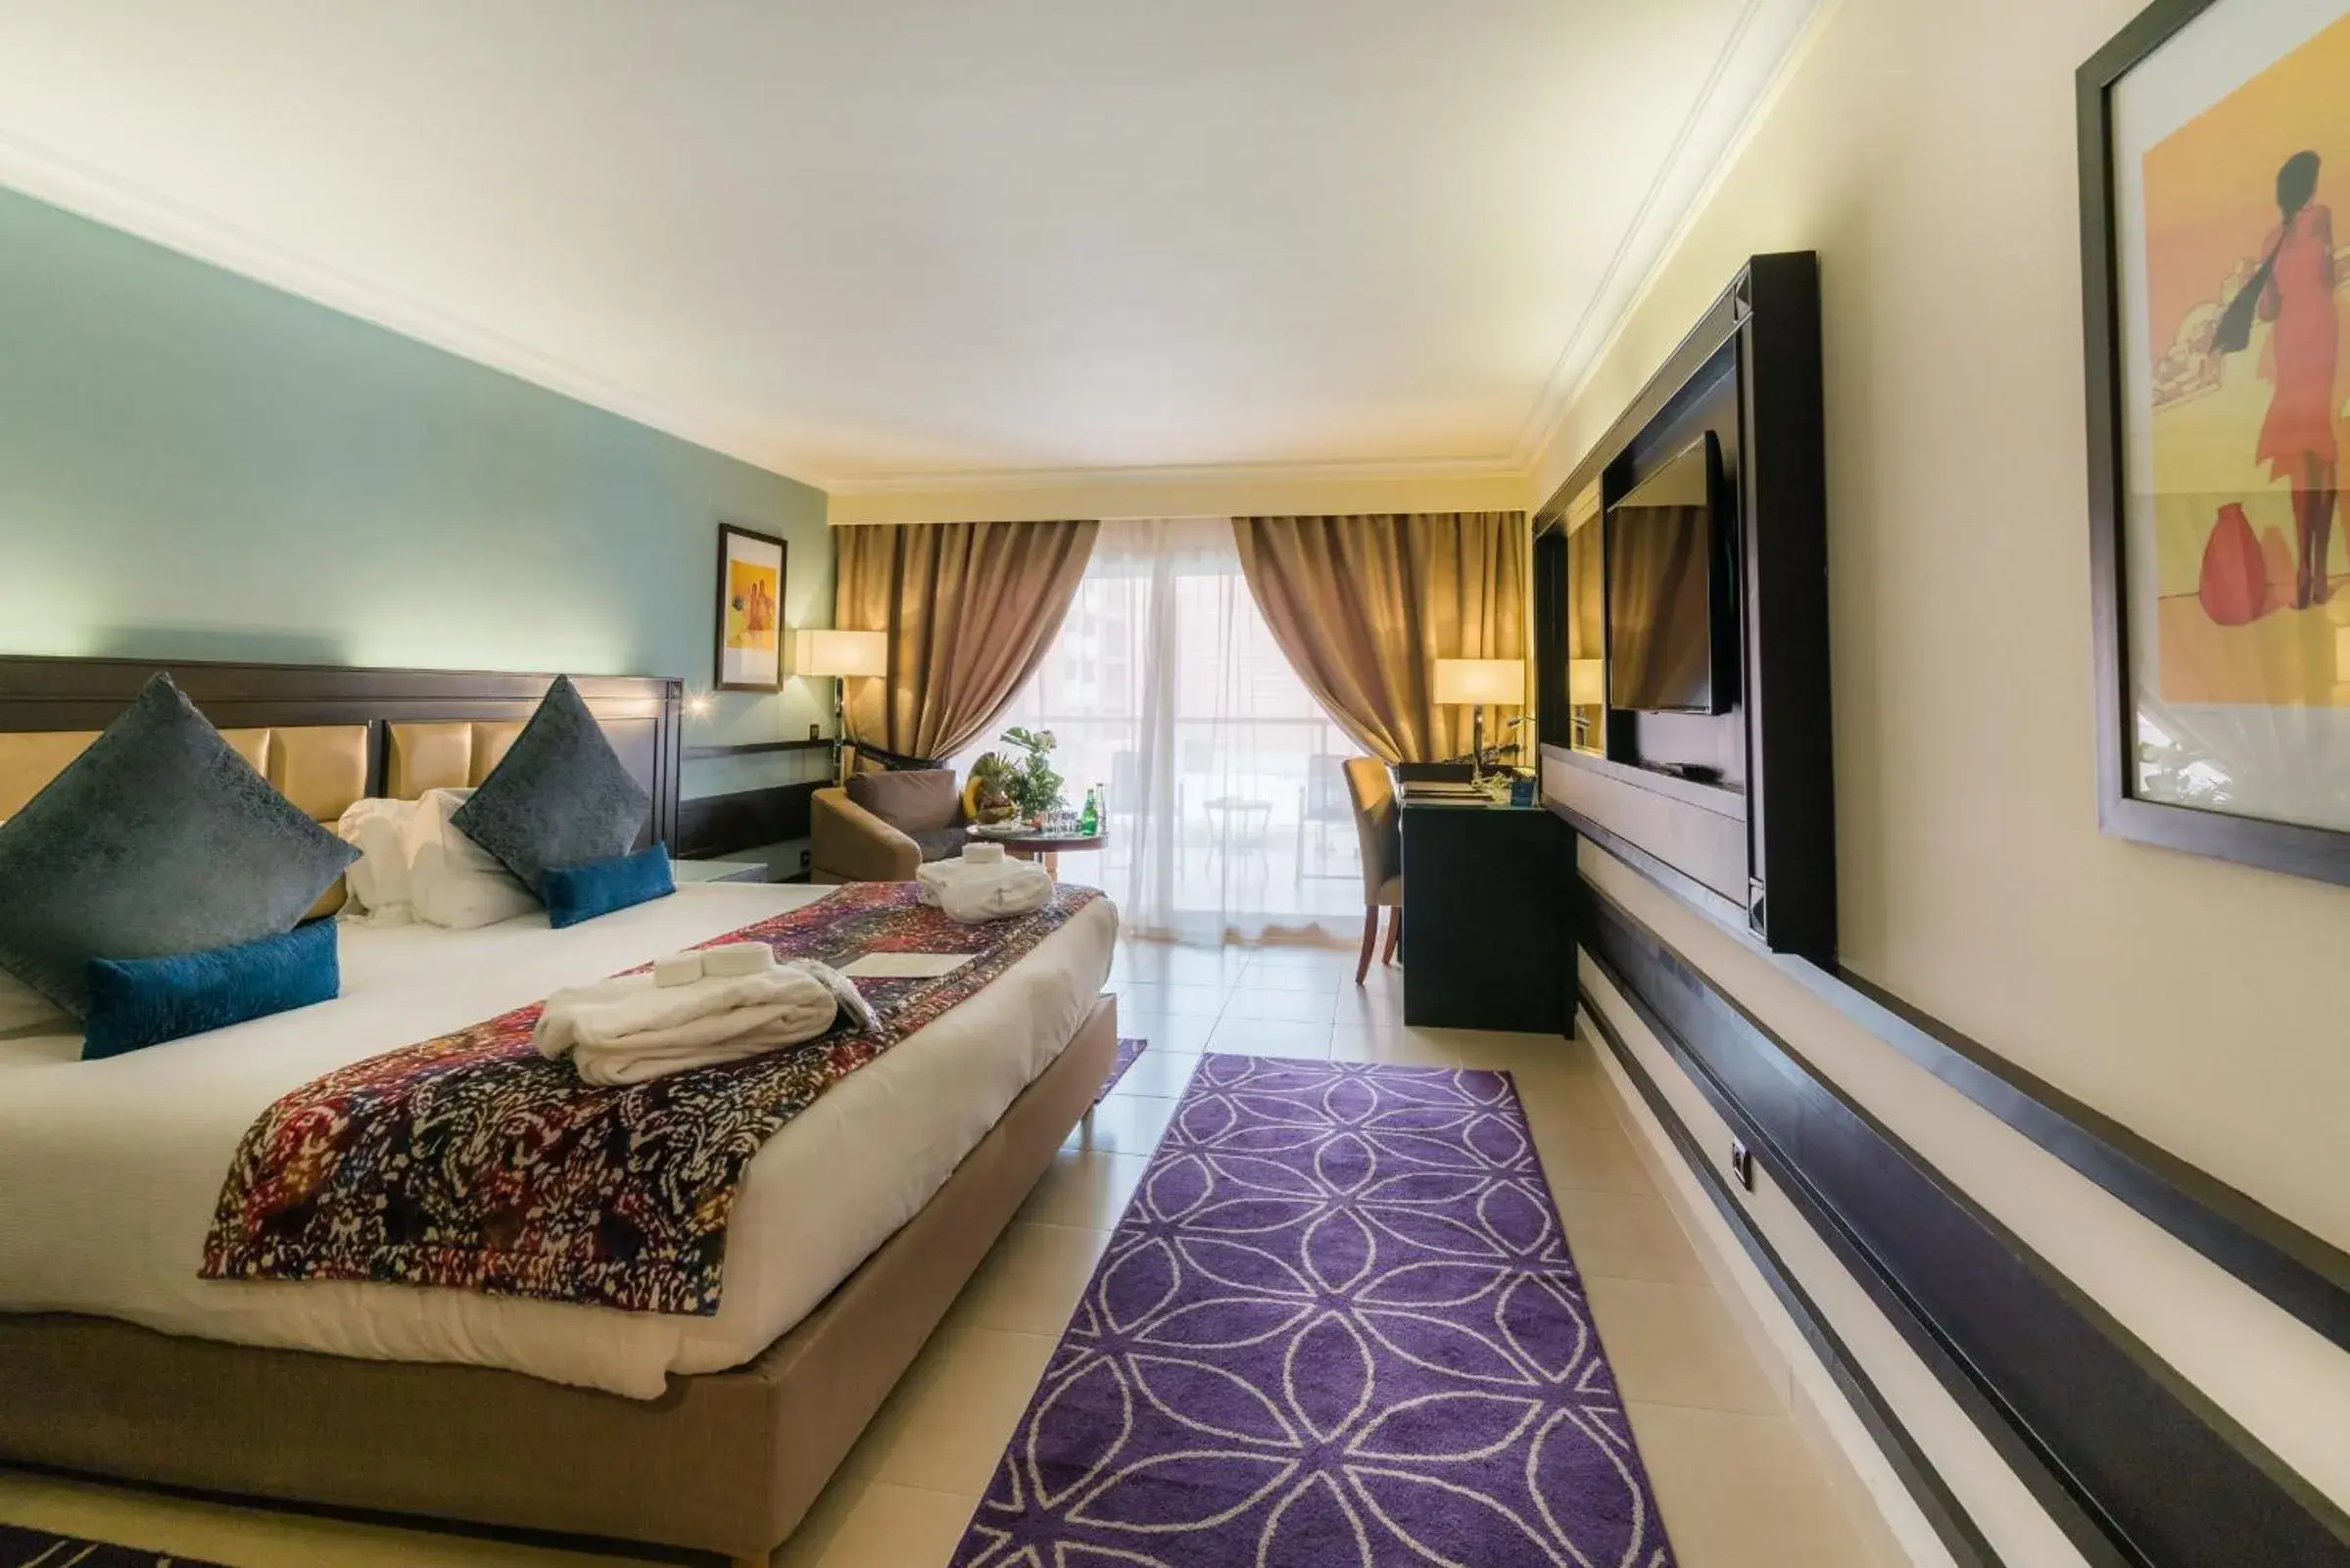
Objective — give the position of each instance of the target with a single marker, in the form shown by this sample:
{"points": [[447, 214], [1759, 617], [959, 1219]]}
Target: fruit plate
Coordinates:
{"points": [[1003, 830]]}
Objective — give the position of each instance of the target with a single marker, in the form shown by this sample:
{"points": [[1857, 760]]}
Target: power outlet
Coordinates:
{"points": [[1741, 1163]]}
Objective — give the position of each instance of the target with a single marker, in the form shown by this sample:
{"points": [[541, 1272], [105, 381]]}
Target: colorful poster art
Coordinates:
{"points": [[2231, 160], [751, 610]]}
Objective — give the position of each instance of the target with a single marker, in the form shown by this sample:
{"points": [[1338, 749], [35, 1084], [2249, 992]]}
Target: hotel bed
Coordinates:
{"points": [[854, 1228]]}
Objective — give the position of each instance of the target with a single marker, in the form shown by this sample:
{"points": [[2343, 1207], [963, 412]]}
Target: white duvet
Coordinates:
{"points": [[109, 1170]]}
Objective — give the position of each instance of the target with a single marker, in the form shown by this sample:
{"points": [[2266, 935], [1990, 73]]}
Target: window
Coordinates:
{"points": [[1227, 803]]}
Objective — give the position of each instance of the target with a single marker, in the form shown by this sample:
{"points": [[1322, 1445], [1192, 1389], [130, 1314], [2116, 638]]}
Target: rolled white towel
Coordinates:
{"points": [[931, 876], [677, 969], [1016, 889], [731, 959], [976, 888], [631, 1029], [979, 858]]}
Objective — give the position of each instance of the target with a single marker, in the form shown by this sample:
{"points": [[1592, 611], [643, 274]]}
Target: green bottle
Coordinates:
{"points": [[1089, 822]]}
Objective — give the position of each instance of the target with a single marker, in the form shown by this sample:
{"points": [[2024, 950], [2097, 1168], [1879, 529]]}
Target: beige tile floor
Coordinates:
{"points": [[1735, 1482]]}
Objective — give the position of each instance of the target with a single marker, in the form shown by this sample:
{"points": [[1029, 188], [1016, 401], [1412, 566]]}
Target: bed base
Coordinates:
{"points": [[726, 1462]]}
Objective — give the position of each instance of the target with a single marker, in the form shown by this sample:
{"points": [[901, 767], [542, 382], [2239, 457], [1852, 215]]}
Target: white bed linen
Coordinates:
{"points": [[109, 1170]]}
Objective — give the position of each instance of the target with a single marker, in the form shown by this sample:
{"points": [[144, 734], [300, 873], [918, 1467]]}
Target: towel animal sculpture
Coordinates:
{"points": [[695, 1010], [984, 885]]}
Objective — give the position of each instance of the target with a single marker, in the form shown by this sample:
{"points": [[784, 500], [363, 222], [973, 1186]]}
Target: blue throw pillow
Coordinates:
{"points": [[158, 839], [560, 796], [575, 893], [145, 1001]]}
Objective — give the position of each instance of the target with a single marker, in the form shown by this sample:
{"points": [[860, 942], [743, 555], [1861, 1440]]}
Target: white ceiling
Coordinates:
{"points": [[877, 242]]}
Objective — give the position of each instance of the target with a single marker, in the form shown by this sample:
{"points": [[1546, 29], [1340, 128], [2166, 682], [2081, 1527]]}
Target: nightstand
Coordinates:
{"points": [[720, 870]]}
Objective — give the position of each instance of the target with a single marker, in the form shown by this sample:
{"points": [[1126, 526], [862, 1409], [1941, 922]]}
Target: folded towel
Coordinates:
{"points": [[976, 899], [726, 961], [634, 1029], [971, 890]]}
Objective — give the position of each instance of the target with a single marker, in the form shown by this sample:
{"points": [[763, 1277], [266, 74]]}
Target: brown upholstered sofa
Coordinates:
{"points": [[882, 824]]}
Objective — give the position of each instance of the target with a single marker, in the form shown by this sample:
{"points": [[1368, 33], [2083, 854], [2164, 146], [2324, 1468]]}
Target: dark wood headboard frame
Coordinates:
{"points": [[66, 694]]}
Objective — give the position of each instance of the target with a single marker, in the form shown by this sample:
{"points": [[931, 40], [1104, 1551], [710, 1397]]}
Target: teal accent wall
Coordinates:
{"points": [[196, 465]]}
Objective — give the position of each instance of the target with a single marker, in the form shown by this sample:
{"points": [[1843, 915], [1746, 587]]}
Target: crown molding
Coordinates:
{"points": [[1197, 490], [984, 480], [47, 175], [1756, 61]]}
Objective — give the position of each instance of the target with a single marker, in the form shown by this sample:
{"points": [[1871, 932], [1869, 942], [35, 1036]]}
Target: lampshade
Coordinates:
{"points": [[1501, 681], [823, 652], [1586, 682]]}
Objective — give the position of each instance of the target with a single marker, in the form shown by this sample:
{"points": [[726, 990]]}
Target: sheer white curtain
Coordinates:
{"points": [[1228, 809]]}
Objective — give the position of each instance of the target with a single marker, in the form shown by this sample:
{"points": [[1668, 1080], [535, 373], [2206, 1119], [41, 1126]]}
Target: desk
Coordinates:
{"points": [[1488, 939]]}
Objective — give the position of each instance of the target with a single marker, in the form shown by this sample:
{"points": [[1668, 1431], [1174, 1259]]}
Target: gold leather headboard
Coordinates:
{"points": [[327, 735], [450, 755], [320, 768], [28, 761]]}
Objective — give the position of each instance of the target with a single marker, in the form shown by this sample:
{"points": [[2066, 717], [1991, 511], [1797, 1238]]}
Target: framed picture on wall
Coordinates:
{"points": [[2214, 150], [751, 610]]}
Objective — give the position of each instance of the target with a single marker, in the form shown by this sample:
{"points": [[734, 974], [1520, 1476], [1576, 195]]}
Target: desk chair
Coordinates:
{"points": [[1320, 801], [1378, 824]]}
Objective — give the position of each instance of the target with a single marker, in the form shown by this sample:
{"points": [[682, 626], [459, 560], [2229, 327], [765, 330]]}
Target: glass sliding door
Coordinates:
{"points": [[1226, 799]]}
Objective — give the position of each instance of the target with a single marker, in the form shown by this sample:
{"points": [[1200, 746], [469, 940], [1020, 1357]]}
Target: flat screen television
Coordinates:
{"points": [[1671, 618]]}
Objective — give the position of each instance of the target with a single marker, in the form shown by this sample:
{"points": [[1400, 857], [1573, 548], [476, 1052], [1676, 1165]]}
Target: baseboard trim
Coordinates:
{"points": [[2299, 1270], [1952, 1523], [2136, 1466]]}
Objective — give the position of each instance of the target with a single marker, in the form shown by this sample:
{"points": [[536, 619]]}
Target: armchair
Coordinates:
{"points": [[881, 826]]}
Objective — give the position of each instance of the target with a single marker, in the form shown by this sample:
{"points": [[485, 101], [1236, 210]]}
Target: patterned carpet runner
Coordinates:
{"points": [[1128, 1051], [1338, 1326], [37, 1548]]}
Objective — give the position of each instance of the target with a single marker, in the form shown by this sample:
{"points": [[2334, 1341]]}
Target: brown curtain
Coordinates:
{"points": [[1363, 606], [970, 609]]}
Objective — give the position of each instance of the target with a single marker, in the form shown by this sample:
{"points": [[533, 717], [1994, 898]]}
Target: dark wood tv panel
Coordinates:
{"points": [[1735, 809]]}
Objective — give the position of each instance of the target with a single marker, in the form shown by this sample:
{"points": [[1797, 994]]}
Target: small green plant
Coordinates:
{"points": [[1031, 783]]}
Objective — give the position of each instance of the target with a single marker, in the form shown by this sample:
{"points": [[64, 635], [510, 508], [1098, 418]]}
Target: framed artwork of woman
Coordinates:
{"points": [[751, 610], [2215, 145]]}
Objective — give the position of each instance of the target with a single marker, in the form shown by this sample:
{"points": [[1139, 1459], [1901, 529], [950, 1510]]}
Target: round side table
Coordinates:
{"points": [[1046, 847]]}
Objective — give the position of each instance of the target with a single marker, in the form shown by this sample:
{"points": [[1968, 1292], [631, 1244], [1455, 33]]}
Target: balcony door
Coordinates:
{"points": [[1227, 806]]}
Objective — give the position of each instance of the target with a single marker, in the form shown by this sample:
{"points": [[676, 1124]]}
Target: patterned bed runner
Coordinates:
{"points": [[472, 1162]]}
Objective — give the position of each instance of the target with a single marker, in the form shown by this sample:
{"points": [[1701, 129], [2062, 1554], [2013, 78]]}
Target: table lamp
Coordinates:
{"points": [[1475, 683], [825, 653]]}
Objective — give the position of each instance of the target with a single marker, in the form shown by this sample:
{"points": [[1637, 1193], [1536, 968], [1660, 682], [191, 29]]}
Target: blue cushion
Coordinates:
{"points": [[145, 1001], [560, 796], [575, 893], [158, 839]]}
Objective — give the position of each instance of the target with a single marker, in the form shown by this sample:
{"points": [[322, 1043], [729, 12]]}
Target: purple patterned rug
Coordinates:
{"points": [[20, 1548], [1127, 1050], [1338, 1326]]}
